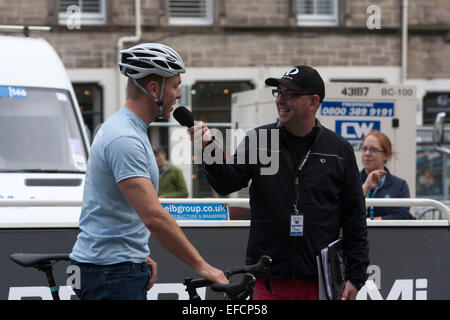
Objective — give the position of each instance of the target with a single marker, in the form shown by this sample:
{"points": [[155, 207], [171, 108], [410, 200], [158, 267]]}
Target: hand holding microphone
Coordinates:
{"points": [[185, 117]]}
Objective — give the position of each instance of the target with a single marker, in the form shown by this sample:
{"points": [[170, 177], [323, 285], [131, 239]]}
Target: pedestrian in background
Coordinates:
{"points": [[171, 179]]}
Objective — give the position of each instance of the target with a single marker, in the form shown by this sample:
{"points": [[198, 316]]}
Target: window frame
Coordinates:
{"points": [[86, 18], [198, 21], [319, 20]]}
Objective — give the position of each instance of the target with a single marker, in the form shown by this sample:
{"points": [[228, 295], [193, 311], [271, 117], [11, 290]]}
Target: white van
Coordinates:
{"points": [[43, 141]]}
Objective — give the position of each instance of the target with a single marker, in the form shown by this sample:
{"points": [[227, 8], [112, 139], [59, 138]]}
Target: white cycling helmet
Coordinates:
{"points": [[151, 58]]}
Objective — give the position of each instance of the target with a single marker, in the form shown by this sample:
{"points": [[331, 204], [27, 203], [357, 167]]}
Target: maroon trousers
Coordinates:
{"points": [[287, 290]]}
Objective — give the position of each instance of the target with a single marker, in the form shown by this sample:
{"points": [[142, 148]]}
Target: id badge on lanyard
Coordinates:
{"points": [[297, 218], [296, 223]]}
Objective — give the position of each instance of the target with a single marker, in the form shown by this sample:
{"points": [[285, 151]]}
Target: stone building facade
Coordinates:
{"points": [[254, 33]]}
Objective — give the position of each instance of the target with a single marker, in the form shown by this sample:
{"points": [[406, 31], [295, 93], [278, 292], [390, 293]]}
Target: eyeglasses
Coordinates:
{"points": [[371, 149], [288, 96]]}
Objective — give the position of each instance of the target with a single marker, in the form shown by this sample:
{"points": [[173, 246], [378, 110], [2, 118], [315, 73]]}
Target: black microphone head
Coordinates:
{"points": [[184, 116]]}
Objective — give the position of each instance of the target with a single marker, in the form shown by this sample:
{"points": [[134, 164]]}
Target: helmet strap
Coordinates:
{"points": [[158, 101]]}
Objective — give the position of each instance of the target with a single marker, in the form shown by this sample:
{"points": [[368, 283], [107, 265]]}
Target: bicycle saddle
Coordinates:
{"points": [[36, 259]]}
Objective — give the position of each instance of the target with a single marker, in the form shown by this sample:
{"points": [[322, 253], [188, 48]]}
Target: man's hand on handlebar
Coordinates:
{"points": [[212, 274], [236, 290]]}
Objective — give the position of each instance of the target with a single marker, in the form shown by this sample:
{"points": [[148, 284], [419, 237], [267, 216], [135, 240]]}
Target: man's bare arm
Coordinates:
{"points": [[142, 196]]}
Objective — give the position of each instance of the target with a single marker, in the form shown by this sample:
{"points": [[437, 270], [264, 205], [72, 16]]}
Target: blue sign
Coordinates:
{"points": [[357, 109], [13, 92], [354, 129], [197, 211]]}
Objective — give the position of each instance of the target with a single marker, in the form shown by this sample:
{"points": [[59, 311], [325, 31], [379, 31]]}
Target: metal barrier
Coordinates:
{"points": [[238, 202], [409, 202]]}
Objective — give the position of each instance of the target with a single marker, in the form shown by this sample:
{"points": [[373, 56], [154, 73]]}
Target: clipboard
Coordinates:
{"points": [[331, 268]]}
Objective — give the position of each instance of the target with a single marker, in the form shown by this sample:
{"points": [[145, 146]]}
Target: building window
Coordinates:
{"points": [[191, 12], [433, 103], [430, 173], [84, 12], [90, 100], [317, 12]]}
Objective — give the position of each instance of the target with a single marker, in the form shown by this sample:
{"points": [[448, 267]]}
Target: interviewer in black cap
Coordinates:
{"points": [[299, 93], [301, 208]]}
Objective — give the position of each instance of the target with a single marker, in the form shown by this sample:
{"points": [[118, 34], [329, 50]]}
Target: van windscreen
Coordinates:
{"points": [[39, 131]]}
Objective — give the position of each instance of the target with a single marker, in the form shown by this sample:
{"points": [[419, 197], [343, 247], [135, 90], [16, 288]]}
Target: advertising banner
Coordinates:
{"points": [[197, 211], [406, 262]]}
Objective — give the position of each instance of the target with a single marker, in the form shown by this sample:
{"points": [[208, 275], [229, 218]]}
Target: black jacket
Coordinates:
{"points": [[330, 195]]}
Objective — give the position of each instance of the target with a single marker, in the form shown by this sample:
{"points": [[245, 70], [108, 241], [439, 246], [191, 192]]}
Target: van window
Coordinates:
{"points": [[39, 131]]}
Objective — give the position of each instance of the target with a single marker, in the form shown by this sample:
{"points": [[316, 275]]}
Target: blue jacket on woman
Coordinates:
{"points": [[393, 187]]}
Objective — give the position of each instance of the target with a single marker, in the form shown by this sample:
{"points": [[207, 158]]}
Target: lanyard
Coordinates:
{"points": [[371, 194], [297, 182]]}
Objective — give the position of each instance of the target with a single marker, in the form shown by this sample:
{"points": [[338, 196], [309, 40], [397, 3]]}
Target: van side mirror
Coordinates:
{"points": [[438, 134], [438, 129]]}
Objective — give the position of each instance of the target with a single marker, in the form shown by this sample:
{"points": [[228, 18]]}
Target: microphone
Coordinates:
{"points": [[184, 116]]}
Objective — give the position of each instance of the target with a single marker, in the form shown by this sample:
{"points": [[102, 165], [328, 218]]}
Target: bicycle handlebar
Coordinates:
{"points": [[262, 266], [237, 290]]}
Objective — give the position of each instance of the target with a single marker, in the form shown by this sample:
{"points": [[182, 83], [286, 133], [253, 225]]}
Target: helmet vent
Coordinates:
{"points": [[125, 57], [161, 63], [174, 66], [160, 51]]}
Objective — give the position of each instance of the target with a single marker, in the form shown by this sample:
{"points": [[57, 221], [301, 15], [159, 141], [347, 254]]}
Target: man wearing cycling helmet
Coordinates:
{"points": [[120, 204], [301, 208]]}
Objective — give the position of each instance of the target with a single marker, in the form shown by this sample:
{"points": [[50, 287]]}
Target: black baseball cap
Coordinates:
{"points": [[301, 78]]}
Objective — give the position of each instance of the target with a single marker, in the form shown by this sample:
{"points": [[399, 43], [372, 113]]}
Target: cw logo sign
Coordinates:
{"points": [[356, 130]]}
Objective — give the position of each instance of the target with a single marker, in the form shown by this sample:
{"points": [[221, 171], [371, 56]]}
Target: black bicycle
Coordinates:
{"points": [[238, 290]]}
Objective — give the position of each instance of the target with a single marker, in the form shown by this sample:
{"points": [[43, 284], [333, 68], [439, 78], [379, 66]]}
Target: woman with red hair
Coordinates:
{"points": [[377, 181]]}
